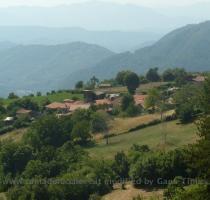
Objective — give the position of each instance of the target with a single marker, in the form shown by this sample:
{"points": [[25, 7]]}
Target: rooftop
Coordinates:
{"points": [[23, 111]]}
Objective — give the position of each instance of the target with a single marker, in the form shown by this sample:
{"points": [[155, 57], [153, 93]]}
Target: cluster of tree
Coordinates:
{"points": [[188, 103], [128, 79], [128, 106], [132, 81], [91, 84], [52, 150], [198, 157], [26, 103]]}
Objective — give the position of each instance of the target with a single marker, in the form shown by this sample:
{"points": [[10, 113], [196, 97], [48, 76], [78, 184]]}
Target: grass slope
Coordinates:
{"points": [[131, 192], [177, 135], [15, 135], [58, 97]]}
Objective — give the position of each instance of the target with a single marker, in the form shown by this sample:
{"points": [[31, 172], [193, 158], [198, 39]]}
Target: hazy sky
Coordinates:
{"points": [[153, 3]]}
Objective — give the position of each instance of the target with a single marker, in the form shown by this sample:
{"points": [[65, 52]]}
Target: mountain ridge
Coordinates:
{"points": [[187, 47], [40, 67]]}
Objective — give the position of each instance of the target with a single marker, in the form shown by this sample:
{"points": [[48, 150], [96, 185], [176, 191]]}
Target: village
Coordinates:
{"points": [[104, 96]]}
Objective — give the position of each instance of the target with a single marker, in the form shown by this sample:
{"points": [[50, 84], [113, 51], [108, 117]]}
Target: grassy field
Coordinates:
{"points": [[59, 97], [2, 196], [142, 88], [177, 135], [131, 192], [15, 135], [122, 125]]}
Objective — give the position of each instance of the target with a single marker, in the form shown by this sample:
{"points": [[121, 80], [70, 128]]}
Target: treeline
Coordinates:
{"points": [[132, 80]]}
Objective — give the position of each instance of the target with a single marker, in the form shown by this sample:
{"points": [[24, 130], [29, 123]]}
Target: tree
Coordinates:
{"points": [[168, 75], [2, 108], [79, 85], [26, 103], [132, 82], [185, 112], [38, 94], [94, 81], [205, 97], [14, 157], [201, 151], [99, 123], [152, 75], [81, 133], [12, 95], [152, 101], [187, 102], [121, 165], [127, 99], [49, 130], [180, 76], [143, 80], [120, 78]]}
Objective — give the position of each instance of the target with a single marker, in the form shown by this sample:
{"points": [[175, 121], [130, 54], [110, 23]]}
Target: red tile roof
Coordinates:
{"points": [[57, 106], [23, 111], [103, 102], [68, 106]]}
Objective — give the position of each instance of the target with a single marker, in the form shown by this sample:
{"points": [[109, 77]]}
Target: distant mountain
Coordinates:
{"points": [[38, 67], [6, 45], [187, 47], [92, 15], [117, 41], [197, 12]]}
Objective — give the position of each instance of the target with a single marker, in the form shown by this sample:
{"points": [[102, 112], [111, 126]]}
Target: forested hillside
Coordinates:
{"points": [[39, 67], [187, 47]]}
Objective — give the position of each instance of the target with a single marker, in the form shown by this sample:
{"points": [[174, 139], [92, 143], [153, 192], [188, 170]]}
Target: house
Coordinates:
{"points": [[140, 99], [59, 107], [100, 95], [89, 96], [9, 120], [105, 85], [199, 79], [112, 97], [74, 107], [65, 108], [23, 113], [103, 102]]}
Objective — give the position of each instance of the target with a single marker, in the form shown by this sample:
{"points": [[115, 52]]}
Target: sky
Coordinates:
{"points": [[150, 3]]}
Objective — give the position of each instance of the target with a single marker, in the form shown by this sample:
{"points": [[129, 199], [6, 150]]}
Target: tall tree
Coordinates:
{"points": [[79, 85], [152, 75], [120, 78], [132, 82]]}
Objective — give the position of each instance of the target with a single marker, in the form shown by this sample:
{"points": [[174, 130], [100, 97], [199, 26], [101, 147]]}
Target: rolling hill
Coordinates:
{"points": [[39, 67], [91, 15], [48, 67], [187, 47], [117, 41]]}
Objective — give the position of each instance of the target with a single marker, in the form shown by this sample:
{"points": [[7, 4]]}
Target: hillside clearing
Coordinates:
{"points": [[15, 135], [131, 192], [122, 125], [177, 136]]}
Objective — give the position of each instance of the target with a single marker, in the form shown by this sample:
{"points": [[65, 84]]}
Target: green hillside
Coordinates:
{"points": [[177, 135]]}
